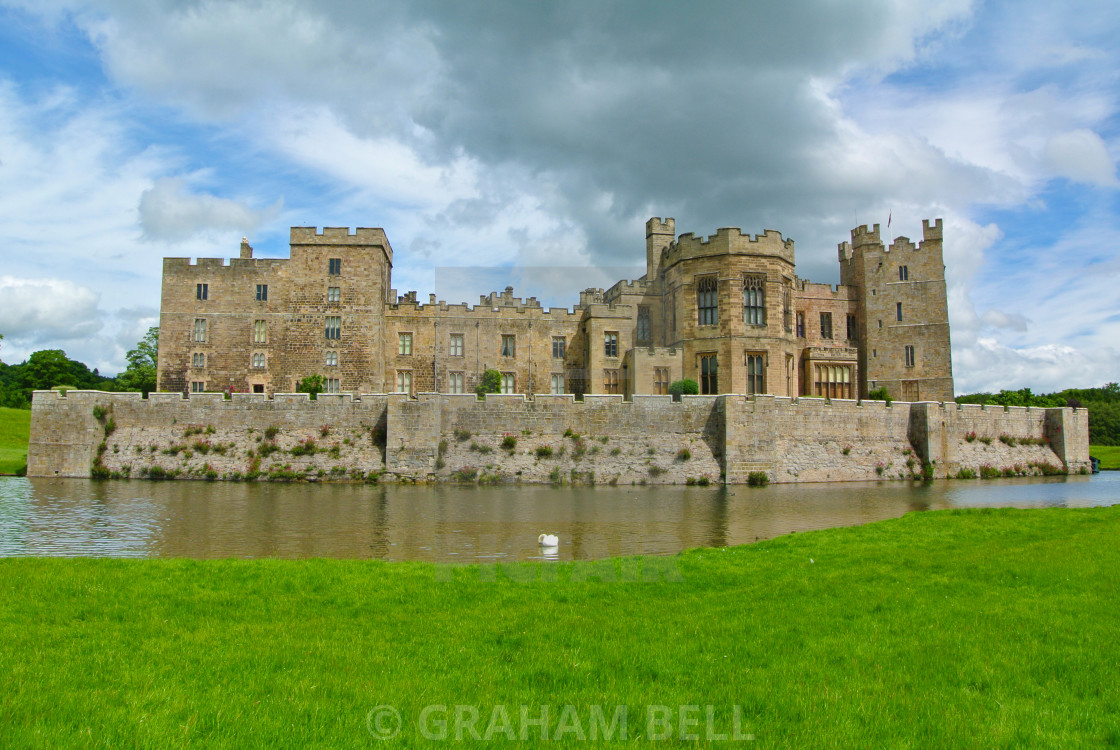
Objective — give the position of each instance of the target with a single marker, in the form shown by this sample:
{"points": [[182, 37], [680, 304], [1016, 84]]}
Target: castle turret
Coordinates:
{"points": [[659, 235], [903, 320]]}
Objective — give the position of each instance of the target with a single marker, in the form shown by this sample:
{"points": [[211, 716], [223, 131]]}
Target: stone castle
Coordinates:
{"points": [[727, 311]]}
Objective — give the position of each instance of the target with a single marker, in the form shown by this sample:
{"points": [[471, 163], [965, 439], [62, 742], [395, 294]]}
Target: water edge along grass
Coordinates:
{"points": [[15, 426], [1109, 455], [971, 628]]}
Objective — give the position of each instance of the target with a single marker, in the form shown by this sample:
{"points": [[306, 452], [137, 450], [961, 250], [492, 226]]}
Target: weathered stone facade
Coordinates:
{"points": [[508, 438], [727, 311]]}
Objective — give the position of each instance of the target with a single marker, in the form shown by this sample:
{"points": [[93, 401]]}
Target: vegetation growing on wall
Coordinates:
{"points": [[1103, 405]]}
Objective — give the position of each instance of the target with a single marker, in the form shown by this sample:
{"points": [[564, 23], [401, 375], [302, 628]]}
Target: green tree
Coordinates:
{"points": [[491, 382], [46, 369], [140, 375], [312, 384], [686, 387]]}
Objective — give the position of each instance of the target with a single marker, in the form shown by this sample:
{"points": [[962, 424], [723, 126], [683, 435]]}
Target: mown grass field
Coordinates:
{"points": [[943, 629], [14, 427], [1108, 454]]}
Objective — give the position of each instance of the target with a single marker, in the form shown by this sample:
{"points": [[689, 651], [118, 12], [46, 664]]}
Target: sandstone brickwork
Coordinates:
{"points": [[508, 438], [726, 310]]}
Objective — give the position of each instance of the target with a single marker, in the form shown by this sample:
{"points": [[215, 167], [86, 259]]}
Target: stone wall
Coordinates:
{"points": [[602, 439]]}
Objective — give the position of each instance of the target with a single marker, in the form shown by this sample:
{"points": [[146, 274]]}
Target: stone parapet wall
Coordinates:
{"points": [[602, 439]]}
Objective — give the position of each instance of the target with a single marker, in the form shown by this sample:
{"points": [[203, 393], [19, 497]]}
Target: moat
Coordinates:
{"points": [[449, 523]]}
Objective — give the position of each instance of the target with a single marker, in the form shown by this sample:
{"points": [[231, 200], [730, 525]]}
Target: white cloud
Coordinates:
{"points": [[1081, 155], [168, 212], [41, 310]]}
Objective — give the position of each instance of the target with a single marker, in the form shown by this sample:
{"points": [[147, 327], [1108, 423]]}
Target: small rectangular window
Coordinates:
{"points": [[260, 332], [404, 343], [508, 382], [332, 359], [800, 325], [756, 373], [707, 302], [610, 381], [258, 359], [455, 382], [557, 383], [909, 354], [903, 273], [334, 267], [456, 346], [851, 327], [334, 327], [262, 292], [404, 381], [610, 339], [826, 325], [643, 333], [198, 359], [332, 385], [509, 345], [334, 294], [197, 386], [661, 381], [709, 374], [202, 291], [558, 347], [898, 310], [200, 330]]}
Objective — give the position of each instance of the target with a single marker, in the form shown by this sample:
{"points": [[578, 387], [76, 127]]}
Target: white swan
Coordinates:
{"points": [[548, 540]]}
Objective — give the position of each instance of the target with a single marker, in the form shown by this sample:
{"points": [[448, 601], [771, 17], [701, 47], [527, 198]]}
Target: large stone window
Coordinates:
{"points": [[661, 381], [644, 334], [509, 345], [334, 294], [832, 381], [262, 292], [509, 382], [707, 300], [908, 353], [558, 346], [754, 300], [557, 383], [404, 343], [756, 372], [404, 381], [456, 348], [202, 291], [200, 330], [709, 374], [258, 360], [260, 331], [198, 360], [455, 382], [826, 325], [334, 266]]}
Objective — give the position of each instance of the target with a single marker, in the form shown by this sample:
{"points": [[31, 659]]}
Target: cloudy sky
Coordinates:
{"points": [[520, 134]]}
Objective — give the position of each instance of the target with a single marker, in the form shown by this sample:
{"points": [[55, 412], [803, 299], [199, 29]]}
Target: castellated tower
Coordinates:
{"points": [[659, 235], [262, 324], [902, 318]]}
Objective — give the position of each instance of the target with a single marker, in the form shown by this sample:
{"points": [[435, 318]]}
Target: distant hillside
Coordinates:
{"points": [[1103, 405]]}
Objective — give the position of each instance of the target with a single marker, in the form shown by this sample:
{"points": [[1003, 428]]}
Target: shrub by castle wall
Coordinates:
{"points": [[602, 439]]}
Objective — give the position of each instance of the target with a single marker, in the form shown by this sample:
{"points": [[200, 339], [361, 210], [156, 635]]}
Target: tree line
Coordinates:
{"points": [[1103, 405], [51, 368]]}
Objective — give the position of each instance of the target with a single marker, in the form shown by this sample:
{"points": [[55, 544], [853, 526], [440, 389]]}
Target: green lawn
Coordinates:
{"points": [[1108, 454], [14, 426], [968, 629]]}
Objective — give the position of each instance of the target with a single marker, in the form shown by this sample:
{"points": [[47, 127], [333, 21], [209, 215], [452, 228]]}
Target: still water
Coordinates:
{"points": [[449, 523]]}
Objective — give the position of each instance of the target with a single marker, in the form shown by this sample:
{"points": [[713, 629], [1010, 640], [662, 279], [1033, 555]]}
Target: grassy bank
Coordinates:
{"points": [[942, 629], [1108, 454], [14, 427]]}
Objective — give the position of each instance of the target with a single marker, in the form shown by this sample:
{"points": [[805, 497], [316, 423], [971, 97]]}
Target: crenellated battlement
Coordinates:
{"points": [[658, 226], [172, 265], [729, 241], [342, 237]]}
